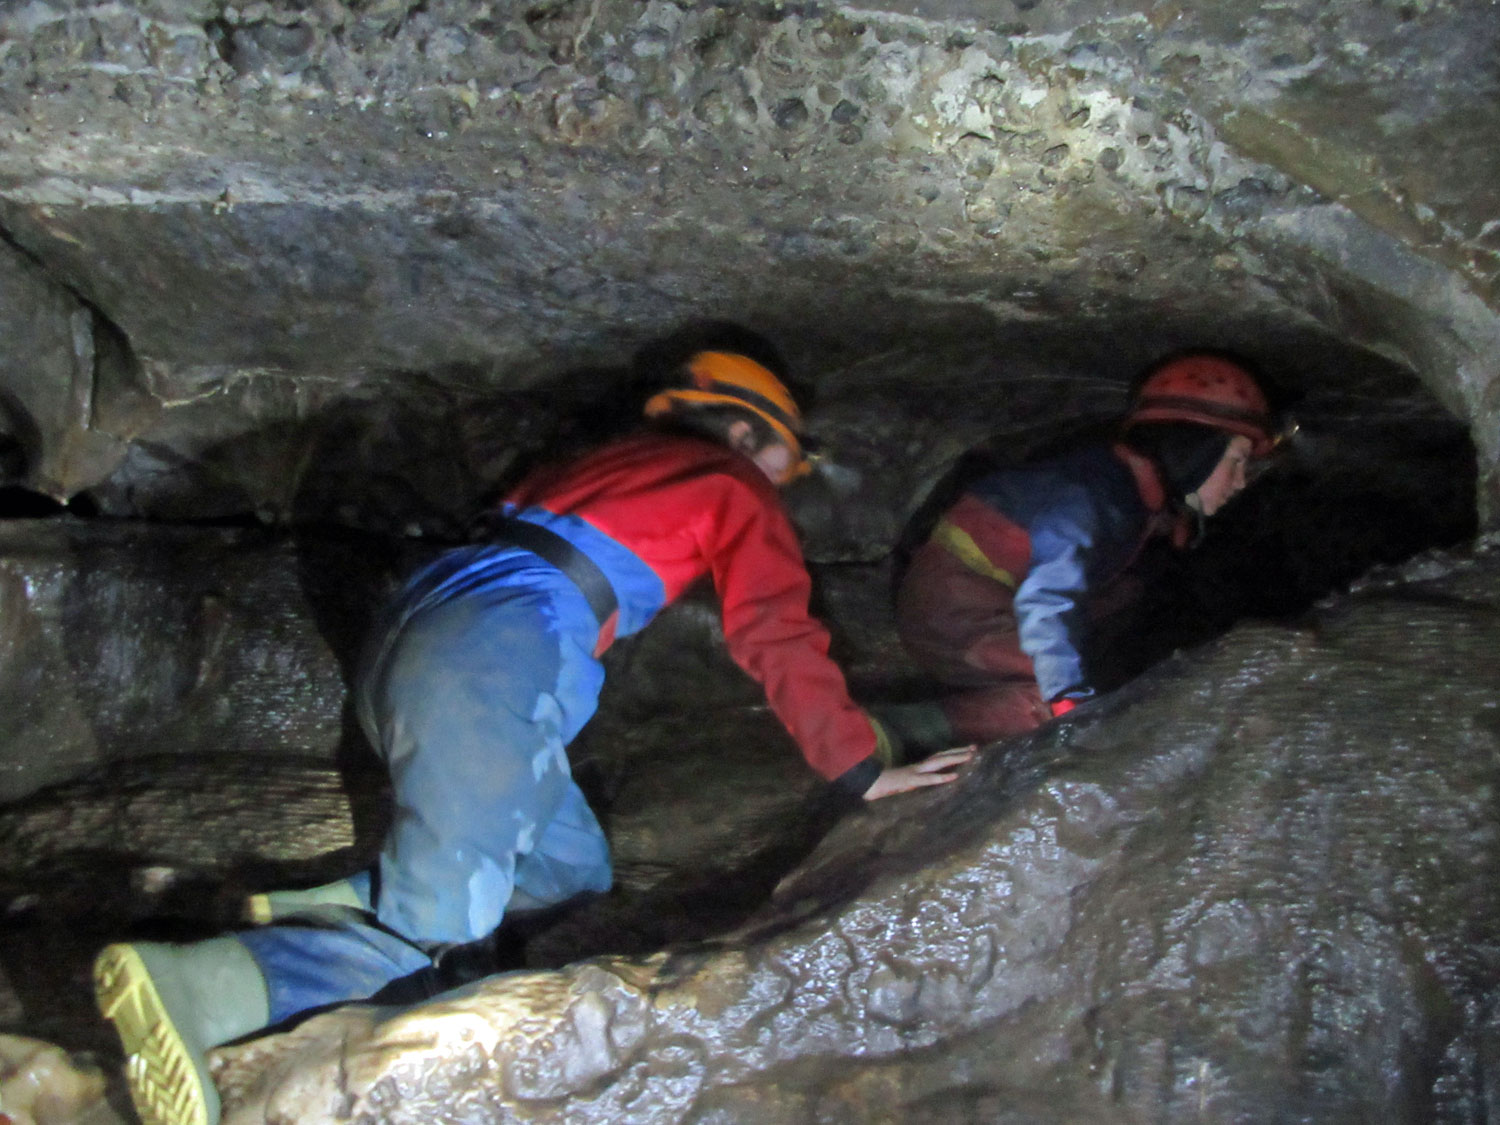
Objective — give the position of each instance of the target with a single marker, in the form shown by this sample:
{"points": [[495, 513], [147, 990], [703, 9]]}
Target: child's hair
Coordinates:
{"points": [[714, 420], [1186, 453]]}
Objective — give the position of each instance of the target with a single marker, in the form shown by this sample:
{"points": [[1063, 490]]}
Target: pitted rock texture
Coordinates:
{"points": [[1260, 884], [301, 264], [300, 214]]}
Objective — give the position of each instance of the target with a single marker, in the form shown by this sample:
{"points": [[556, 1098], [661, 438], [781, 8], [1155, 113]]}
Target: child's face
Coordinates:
{"points": [[1227, 478], [775, 460]]}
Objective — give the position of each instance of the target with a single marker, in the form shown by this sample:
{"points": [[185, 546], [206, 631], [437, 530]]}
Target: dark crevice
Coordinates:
{"points": [[22, 503]]}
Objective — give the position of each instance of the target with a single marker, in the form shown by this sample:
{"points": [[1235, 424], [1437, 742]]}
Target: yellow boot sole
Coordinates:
{"points": [[168, 1084], [275, 906], [259, 911]]}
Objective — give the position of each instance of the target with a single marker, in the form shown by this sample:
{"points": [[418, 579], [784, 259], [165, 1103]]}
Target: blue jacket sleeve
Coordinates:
{"points": [[1049, 601]]}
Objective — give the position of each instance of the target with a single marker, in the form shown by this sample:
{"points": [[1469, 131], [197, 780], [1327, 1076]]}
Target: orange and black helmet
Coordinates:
{"points": [[1208, 390], [730, 379]]}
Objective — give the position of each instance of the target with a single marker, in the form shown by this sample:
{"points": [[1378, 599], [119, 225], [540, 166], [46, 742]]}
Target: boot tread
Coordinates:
{"points": [[165, 1080]]}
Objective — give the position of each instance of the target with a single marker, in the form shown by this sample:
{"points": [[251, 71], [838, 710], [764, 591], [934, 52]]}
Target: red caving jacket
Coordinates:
{"points": [[685, 507]]}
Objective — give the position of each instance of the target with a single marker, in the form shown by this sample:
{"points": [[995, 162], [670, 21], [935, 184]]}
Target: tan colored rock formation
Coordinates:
{"points": [[1254, 885]]}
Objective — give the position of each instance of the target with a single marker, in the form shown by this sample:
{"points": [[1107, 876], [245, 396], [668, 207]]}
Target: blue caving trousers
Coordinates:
{"points": [[471, 690]]}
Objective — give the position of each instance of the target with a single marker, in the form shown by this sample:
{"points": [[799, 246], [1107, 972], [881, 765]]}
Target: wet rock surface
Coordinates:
{"points": [[301, 215], [1181, 868], [1259, 884], [328, 275], [42, 1086], [217, 653]]}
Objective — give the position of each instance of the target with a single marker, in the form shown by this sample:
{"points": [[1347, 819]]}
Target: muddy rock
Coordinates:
{"points": [[42, 1086], [1255, 884], [290, 291]]}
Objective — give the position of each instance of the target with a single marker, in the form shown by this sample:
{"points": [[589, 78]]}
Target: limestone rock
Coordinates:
{"points": [[1257, 884], [42, 1086], [67, 407], [280, 207]]}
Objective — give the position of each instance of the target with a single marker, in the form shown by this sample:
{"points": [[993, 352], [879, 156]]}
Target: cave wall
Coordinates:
{"points": [[351, 263], [55, 354], [1258, 884], [124, 641], [310, 216], [1258, 881]]}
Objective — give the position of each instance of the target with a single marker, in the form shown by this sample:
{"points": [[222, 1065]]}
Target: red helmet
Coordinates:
{"points": [[1211, 391]]}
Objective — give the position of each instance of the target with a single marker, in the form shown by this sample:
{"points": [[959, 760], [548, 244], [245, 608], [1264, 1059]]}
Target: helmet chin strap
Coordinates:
{"points": [[1192, 504]]}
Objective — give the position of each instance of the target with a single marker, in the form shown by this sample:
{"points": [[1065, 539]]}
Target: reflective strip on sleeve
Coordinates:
{"points": [[962, 546]]}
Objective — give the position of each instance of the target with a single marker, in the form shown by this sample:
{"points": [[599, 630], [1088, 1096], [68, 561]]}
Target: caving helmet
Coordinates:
{"points": [[731, 379], [1208, 390]]}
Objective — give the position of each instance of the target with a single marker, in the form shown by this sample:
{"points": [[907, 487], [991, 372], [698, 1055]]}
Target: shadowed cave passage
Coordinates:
{"points": [[288, 290], [233, 765]]}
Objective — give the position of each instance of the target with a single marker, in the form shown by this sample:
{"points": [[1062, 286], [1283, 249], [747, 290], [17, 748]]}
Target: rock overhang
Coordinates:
{"points": [[342, 263], [334, 195]]}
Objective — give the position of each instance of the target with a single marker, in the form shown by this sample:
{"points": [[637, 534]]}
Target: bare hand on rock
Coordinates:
{"points": [[939, 769]]}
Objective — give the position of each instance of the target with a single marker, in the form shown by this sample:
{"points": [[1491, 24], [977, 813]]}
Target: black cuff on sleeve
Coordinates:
{"points": [[858, 777]]}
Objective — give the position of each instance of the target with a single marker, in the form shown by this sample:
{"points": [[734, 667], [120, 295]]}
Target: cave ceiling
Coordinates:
{"points": [[239, 233], [287, 287]]}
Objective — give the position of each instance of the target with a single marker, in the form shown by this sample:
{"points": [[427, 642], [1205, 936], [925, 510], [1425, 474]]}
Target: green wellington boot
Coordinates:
{"points": [[170, 1004], [274, 906]]}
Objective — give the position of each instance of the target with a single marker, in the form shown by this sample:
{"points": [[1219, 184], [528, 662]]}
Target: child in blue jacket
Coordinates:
{"points": [[994, 605]]}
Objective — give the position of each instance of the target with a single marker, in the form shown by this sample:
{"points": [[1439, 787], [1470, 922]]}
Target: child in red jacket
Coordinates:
{"points": [[483, 670]]}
